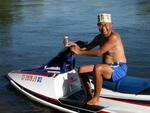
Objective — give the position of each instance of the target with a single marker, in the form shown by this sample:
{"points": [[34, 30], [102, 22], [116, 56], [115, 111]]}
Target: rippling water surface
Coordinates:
{"points": [[31, 32]]}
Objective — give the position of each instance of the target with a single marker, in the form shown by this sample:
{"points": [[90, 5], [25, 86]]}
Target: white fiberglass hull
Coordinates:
{"points": [[50, 89], [51, 101]]}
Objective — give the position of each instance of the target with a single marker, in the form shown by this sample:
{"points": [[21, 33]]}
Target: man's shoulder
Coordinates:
{"points": [[115, 36]]}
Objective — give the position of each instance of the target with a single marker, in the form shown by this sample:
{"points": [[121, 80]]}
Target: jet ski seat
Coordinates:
{"points": [[128, 84]]}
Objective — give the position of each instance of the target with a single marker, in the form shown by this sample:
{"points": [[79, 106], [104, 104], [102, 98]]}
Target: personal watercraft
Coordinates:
{"points": [[56, 84]]}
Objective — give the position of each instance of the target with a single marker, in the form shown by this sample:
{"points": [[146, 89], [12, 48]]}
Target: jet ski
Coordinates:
{"points": [[56, 84]]}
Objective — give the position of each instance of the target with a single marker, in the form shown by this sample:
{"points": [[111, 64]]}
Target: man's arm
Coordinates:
{"points": [[92, 44], [89, 46], [106, 47]]}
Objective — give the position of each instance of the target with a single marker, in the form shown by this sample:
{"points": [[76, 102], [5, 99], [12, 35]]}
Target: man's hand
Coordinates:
{"points": [[76, 49], [71, 43]]}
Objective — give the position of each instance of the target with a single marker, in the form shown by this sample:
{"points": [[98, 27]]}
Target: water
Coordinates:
{"points": [[31, 32]]}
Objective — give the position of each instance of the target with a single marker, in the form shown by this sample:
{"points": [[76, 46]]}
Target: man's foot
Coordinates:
{"points": [[93, 101], [88, 99]]}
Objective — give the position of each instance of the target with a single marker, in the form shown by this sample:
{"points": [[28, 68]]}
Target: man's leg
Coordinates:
{"points": [[101, 71], [84, 71]]}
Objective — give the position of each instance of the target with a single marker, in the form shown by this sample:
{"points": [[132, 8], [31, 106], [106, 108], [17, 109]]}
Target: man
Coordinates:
{"points": [[114, 61]]}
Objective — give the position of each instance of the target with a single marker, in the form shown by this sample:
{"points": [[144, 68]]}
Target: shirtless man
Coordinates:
{"points": [[114, 61]]}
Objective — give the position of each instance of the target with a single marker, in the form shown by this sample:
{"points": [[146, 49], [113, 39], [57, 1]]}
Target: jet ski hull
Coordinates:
{"points": [[62, 104]]}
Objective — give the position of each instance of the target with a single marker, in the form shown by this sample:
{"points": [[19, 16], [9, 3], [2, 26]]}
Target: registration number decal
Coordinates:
{"points": [[32, 78]]}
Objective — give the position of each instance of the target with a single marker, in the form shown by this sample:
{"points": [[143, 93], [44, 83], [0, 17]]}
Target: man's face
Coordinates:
{"points": [[105, 28]]}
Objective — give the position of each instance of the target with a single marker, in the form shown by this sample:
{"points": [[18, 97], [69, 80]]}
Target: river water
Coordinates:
{"points": [[31, 33]]}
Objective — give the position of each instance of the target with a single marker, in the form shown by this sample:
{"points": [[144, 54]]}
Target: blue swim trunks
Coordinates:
{"points": [[119, 70]]}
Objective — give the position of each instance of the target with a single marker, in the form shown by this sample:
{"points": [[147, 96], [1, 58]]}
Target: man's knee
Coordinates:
{"points": [[98, 67], [84, 69], [104, 70], [81, 70]]}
